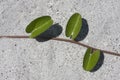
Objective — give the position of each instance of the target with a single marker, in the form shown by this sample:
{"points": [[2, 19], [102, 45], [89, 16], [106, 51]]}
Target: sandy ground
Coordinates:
{"points": [[28, 59]]}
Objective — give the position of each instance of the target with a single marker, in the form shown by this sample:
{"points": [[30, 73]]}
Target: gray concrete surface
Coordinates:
{"points": [[27, 59]]}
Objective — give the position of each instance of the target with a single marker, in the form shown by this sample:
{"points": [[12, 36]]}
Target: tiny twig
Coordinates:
{"points": [[67, 40], [16, 36]]}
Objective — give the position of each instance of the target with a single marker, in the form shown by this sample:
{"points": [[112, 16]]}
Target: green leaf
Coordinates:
{"points": [[41, 28], [74, 26], [90, 59], [36, 23]]}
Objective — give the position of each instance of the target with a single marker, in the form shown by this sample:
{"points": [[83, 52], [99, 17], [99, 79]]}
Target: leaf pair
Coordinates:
{"points": [[90, 59], [39, 25]]}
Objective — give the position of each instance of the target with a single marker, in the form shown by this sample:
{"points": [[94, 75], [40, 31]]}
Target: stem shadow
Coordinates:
{"points": [[54, 31], [84, 31], [100, 62]]}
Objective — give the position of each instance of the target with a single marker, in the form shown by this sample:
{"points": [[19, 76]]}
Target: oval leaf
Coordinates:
{"points": [[40, 20], [90, 59], [41, 28], [74, 26]]}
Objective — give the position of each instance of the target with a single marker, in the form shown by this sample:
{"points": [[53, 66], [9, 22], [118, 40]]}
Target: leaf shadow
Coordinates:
{"points": [[99, 63], [83, 32], [54, 31]]}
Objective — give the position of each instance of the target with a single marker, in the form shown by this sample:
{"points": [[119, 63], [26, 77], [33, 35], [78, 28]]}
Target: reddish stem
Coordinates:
{"points": [[67, 40]]}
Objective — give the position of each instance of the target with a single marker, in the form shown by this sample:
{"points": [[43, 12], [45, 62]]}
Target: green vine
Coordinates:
{"points": [[73, 28]]}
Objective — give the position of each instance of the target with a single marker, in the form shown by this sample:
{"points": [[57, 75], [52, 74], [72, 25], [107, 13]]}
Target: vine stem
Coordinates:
{"points": [[67, 40]]}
